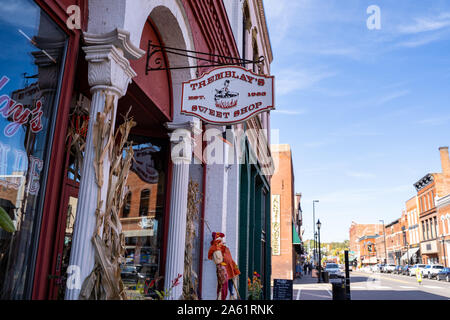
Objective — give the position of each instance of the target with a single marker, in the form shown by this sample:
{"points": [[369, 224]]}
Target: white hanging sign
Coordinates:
{"points": [[228, 95]]}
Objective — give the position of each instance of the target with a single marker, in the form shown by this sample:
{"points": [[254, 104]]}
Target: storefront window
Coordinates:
{"points": [[144, 221], [31, 63]]}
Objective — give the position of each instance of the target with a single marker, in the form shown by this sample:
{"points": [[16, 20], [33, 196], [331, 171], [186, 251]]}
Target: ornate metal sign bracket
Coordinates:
{"points": [[160, 64]]}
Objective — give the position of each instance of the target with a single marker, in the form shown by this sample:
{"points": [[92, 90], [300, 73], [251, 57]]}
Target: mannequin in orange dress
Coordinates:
{"points": [[227, 270]]}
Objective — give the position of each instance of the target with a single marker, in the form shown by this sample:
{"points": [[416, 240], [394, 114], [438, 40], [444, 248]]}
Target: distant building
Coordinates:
{"points": [[411, 224], [394, 241], [360, 230], [285, 219], [368, 249]]}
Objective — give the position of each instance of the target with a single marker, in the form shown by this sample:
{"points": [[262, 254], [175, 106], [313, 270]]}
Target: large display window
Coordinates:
{"points": [[31, 65], [142, 217]]}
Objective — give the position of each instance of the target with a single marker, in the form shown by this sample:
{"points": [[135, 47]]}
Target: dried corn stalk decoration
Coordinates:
{"points": [[104, 282], [76, 139], [190, 282]]}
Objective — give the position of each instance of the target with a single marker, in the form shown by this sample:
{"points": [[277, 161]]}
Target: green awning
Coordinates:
{"points": [[295, 237]]}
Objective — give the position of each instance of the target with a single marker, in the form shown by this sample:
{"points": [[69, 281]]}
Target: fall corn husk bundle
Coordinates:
{"points": [[190, 282], [76, 138], [104, 282]]}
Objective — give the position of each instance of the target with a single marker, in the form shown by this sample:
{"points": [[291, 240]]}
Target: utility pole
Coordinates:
{"points": [[385, 251]]}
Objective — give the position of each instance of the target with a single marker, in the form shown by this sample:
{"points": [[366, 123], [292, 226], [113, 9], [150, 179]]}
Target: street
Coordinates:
{"points": [[375, 286]]}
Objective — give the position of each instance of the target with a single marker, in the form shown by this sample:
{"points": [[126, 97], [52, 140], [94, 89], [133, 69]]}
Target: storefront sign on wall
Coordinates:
{"points": [[276, 242], [227, 95]]}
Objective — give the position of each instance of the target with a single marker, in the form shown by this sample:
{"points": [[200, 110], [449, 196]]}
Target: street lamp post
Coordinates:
{"points": [[443, 247], [315, 247], [314, 229], [320, 258], [384, 236]]}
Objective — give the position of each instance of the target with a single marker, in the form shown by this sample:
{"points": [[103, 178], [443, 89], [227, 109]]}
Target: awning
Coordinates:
{"points": [[295, 237], [410, 253]]}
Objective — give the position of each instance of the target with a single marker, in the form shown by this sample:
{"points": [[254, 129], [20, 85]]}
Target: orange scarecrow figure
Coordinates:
{"points": [[227, 270]]}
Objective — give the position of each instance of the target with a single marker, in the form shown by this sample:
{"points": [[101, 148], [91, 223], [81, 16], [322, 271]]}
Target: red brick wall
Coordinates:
{"points": [[282, 183]]}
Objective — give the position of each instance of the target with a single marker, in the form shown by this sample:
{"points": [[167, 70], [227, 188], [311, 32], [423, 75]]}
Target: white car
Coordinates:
{"points": [[431, 271], [389, 268], [412, 270], [333, 270]]}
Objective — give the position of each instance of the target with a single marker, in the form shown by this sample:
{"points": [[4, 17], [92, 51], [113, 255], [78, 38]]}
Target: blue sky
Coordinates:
{"points": [[364, 111]]}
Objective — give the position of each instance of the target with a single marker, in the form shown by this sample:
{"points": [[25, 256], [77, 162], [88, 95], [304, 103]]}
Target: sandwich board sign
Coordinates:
{"points": [[227, 95]]}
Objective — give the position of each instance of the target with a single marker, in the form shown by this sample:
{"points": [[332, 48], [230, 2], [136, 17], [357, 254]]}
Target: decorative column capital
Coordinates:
{"points": [[109, 68], [182, 141]]}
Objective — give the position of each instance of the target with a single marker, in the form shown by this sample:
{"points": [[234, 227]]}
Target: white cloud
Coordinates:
{"points": [[392, 96], [426, 24], [360, 175], [435, 121], [294, 79], [363, 195], [290, 112]]}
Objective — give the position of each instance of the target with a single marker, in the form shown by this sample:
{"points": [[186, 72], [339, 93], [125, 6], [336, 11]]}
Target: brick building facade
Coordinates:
{"points": [[368, 249], [359, 230], [282, 187], [443, 207], [430, 187]]}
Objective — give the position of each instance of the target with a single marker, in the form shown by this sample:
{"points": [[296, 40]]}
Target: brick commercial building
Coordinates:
{"points": [[430, 187], [443, 213], [412, 230], [359, 230], [368, 249], [443, 207], [81, 77], [394, 241], [284, 215]]}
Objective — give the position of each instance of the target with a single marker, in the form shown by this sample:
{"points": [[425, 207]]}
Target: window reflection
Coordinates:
{"points": [[142, 217], [29, 88]]}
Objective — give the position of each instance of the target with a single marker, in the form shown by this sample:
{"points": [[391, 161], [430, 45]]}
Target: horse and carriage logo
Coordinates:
{"points": [[224, 98]]}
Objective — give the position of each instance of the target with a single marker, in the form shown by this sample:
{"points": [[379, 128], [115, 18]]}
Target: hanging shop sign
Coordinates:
{"points": [[228, 95]]}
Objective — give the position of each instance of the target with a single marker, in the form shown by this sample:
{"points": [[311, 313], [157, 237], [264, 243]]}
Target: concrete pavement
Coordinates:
{"points": [[307, 288], [374, 286], [380, 286]]}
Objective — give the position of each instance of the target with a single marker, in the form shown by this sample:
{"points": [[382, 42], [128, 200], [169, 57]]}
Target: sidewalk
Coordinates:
{"points": [[307, 288]]}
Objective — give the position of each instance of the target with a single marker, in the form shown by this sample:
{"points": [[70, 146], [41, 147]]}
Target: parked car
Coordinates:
{"points": [[389, 268], [366, 269], [130, 273], [412, 270], [398, 270], [443, 274], [431, 271], [405, 269], [377, 267], [333, 270]]}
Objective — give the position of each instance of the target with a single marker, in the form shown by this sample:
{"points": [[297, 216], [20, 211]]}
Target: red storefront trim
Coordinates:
{"points": [[202, 224], [55, 178]]}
